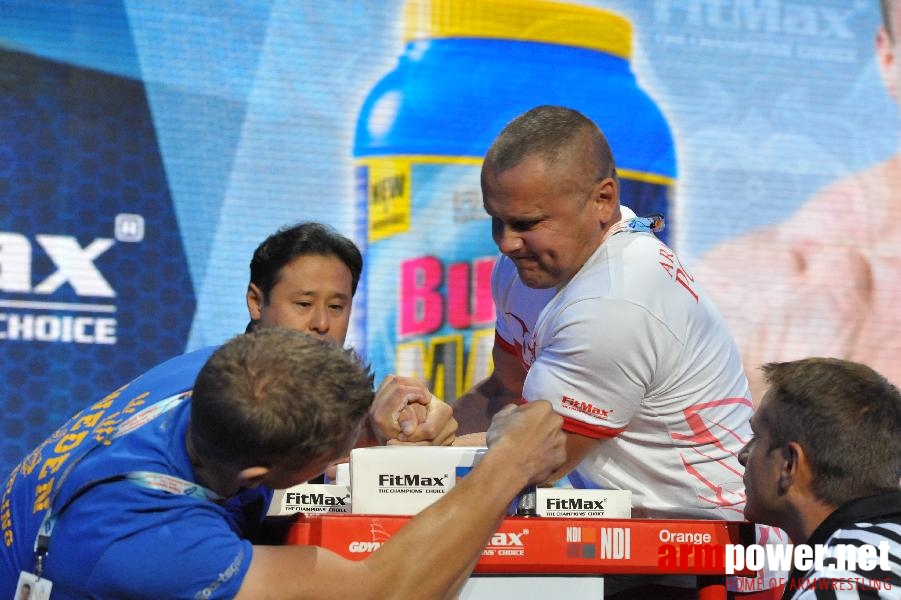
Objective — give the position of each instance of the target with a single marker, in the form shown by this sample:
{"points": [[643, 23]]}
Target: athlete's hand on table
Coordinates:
{"points": [[532, 434]]}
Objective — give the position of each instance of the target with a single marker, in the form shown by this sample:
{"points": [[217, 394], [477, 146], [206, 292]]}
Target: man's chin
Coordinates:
{"points": [[534, 280], [750, 514]]}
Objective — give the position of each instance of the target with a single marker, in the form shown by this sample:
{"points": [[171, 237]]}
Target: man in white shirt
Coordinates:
{"points": [[598, 317]]}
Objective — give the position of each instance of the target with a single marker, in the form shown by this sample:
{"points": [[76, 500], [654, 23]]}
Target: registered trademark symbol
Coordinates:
{"points": [[129, 227]]}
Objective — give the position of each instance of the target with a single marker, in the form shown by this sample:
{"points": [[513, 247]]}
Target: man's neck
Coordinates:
{"points": [[805, 518], [206, 476], [615, 217]]}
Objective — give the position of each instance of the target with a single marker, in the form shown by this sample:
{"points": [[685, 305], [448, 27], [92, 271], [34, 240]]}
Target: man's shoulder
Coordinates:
{"points": [[753, 251], [619, 296], [879, 514], [869, 531], [145, 537], [177, 372], [856, 184], [188, 359], [623, 252], [839, 208], [825, 217], [629, 267]]}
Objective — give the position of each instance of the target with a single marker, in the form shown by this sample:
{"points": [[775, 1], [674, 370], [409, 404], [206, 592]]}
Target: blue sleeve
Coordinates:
{"points": [[196, 556], [119, 540]]}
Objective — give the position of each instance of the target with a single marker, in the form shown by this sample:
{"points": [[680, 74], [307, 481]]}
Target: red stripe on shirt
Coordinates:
{"points": [[505, 345], [593, 431]]}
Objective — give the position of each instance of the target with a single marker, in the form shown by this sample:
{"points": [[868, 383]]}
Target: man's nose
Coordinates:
{"points": [[743, 455], [319, 321], [507, 240]]}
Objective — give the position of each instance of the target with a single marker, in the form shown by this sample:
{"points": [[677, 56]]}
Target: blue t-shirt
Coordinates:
{"points": [[116, 538]]}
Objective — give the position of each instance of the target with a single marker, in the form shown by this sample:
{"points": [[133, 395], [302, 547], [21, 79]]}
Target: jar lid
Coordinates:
{"points": [[521, 20]]}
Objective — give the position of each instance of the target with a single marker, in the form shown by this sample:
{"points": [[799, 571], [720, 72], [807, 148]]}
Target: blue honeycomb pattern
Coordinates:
{"points": [[78, 149]]}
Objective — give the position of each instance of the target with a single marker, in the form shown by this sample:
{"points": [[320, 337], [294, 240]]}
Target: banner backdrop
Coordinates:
{"points": [[146, 148]]}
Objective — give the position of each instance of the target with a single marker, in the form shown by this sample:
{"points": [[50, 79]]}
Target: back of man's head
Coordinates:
{"points": [[846, 416], [557, 134], [277, 394]]}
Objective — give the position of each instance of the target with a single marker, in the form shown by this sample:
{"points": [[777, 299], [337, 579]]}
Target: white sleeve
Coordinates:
{"points": [[597, 361], [501, 280]]}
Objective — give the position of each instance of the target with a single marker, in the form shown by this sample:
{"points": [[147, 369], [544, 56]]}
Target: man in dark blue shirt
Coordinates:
{"points": [[149, 492]]}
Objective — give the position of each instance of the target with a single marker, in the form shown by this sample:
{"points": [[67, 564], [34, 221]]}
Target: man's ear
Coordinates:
{"points": [[251, 477], [794, 468], [885, 53], [605, 195], [254, 302]]}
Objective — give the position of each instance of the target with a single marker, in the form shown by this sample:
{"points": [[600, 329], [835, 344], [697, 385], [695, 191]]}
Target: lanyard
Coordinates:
{"points": [[147, 479], [650, 224]]}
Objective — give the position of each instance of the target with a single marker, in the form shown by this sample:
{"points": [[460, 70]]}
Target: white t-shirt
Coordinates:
{"points": [[632, 352]]}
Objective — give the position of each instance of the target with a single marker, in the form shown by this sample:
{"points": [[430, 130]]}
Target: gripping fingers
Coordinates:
{"points": [[408, 418], [435, 424], [395, 407]]}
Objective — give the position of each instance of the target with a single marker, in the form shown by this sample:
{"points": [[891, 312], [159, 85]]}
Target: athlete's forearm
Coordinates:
{"points": [[474, 409]]}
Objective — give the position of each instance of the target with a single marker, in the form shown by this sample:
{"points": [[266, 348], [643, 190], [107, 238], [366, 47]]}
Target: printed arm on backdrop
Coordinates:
{"points": [[432, 555], [786, 291], [573, 365], [753, 292]]}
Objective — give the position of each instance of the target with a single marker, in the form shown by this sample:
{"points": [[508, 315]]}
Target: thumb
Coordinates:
{"points": [[407, 420], [411, 417]]}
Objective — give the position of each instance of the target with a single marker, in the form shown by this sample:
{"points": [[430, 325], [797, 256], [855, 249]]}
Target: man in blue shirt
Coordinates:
{"points": [[150, 492]]}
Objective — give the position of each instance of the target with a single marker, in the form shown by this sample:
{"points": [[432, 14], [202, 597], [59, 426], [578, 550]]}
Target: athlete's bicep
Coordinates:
{"points": [[596, 367]]}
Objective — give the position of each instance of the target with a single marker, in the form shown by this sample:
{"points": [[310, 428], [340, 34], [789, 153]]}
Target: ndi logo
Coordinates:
{"points": [[602, 542], [42, 317]]}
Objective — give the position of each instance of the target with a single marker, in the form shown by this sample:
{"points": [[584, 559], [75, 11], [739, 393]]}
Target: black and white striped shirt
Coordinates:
{"points": [[865, 521]]}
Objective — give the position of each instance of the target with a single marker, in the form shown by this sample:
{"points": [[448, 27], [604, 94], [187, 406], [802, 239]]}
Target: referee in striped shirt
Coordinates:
{"points": [[824, 465]]}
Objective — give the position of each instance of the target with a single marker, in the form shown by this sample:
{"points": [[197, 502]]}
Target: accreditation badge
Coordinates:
{"points": [[32, 587]]}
